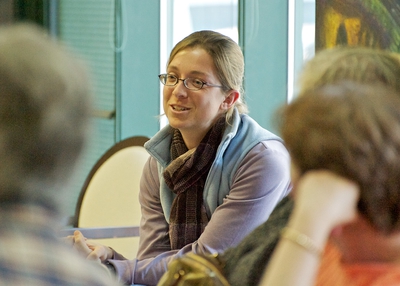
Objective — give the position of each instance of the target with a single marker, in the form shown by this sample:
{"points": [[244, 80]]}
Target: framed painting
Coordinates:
{"points": [[371, 23]]}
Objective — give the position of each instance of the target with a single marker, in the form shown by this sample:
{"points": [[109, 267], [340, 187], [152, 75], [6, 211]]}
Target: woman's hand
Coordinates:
{"points": [[99, 251], [324, 196], [79, 244], [89, 249]]}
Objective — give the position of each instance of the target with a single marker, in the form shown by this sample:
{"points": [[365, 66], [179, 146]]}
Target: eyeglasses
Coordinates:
{"points": [[190, 83]]}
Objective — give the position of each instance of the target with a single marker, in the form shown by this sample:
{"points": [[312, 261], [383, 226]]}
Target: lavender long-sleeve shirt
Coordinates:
{"points": [[260, 181]]}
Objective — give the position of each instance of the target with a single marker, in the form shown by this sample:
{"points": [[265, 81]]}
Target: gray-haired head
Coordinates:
{"points": [[44, 108]]}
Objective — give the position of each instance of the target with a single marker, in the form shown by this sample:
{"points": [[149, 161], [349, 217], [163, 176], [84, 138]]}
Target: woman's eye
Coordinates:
{"points": [[170, 78], [197, 82]]}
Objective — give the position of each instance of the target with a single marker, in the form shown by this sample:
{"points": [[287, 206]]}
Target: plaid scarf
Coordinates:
{"points": [[186, 176]]}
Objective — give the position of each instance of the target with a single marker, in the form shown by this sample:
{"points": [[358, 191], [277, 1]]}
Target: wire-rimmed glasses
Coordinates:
{"points": [[189, 82]]}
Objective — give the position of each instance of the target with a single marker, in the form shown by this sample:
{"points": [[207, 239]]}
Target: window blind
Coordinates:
{"points": [[88, 27]]}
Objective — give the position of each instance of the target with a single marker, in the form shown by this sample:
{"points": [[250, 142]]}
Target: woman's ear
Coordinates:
{"points": [[230, 99]]}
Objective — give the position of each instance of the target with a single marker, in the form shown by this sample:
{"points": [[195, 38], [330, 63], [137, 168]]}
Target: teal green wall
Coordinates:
{"points": [[264, 40], [263, 36], [139, 88]]}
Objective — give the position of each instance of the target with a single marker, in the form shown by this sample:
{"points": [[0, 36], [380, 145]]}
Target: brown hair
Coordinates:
{"points": [[227, 57], [352, 130], [359, 64]]}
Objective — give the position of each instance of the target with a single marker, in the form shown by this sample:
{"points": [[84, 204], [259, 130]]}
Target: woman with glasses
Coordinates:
{"points": [[214, 174]]}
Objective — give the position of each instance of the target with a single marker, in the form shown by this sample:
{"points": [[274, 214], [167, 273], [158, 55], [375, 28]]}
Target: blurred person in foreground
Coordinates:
{"points": [[245, 263], [44, 116], [344, 141]]}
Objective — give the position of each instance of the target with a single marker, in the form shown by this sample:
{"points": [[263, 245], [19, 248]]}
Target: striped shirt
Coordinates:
{"points": [[31, 254], [334, 273]]}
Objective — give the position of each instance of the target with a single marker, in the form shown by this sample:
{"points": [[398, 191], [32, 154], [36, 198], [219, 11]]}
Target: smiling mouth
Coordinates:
{"points": [[177, 108]]}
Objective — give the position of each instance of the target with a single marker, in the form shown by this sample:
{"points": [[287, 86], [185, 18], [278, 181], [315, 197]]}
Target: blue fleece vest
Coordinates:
{"points": [[238, 139]]}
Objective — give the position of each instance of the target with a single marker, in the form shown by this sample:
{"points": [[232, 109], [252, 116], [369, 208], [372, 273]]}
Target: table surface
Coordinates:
{"points": [[103, 232]]}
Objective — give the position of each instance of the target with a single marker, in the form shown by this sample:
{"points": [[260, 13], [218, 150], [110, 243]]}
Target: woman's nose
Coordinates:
{"points": [[180, 89]]}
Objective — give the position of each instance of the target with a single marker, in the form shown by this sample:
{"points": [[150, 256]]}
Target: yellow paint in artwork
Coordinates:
{"points": [[332, 22], [353, 28]]}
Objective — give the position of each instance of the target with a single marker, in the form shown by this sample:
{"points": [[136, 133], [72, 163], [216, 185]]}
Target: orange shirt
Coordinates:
{"points": [[333, 273]]}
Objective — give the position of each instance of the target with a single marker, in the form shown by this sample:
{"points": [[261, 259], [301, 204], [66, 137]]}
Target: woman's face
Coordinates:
{"points": [[193, 112]]}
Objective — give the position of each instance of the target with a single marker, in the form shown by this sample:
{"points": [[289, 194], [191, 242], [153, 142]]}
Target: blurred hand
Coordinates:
{"points": [[333, 199]]}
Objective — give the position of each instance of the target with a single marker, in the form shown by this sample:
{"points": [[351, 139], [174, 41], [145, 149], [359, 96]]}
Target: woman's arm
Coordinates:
{"points": [[260, 182], [323, 201], [154, 237]]}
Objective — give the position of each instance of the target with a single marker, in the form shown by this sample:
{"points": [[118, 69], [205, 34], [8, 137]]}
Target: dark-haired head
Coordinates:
{"points": [[352, 130]]}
